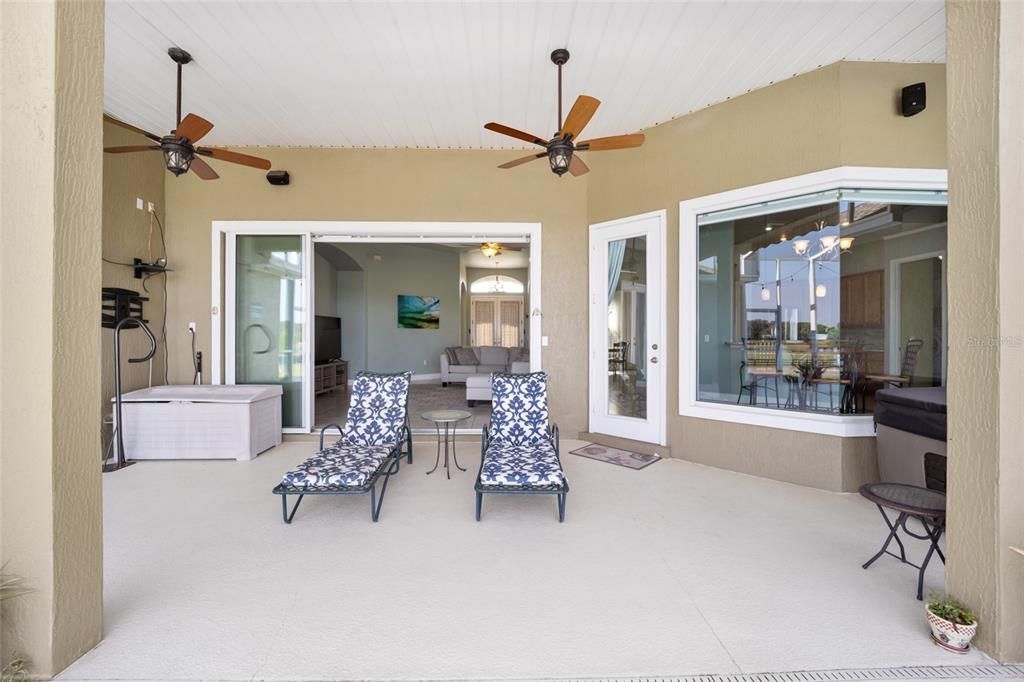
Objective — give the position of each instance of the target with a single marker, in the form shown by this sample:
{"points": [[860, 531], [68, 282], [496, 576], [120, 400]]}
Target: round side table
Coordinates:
{"points": [[444, 423]]}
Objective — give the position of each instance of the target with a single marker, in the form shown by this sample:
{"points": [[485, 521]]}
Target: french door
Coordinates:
{"points": [[627, 332], [497, 321]]}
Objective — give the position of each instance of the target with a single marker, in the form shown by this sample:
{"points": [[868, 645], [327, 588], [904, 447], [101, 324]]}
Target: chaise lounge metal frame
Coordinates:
{"points": [[390, 465], [560, 490]]}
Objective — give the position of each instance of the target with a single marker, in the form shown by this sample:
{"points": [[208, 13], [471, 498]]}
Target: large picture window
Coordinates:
{"points": [[806, 305]]}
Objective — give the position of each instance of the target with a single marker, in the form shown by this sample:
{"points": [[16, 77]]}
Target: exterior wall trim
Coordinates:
{"points": [[859, 177]]}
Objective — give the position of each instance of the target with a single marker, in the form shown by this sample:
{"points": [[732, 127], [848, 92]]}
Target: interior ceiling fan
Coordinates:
{"points": [[180, 152], [492, 249], [561, 149]]}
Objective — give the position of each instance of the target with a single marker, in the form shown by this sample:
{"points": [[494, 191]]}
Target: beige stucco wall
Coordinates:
{"points": [[128, 233], [51, 528], [843, 114], [985, 46], [349, 184]]}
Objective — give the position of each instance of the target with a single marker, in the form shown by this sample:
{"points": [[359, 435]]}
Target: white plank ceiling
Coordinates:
{"points": [[430, 74]]}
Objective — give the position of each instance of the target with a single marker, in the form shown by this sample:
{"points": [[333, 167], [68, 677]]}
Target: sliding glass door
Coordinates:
{"points": [[270, 336]]}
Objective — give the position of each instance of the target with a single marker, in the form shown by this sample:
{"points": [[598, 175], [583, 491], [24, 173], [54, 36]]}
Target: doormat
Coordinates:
{"points": [[624, 458]]}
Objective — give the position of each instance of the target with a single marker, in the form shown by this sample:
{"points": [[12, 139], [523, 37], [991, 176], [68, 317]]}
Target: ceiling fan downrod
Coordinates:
{"points": [[560, 57], [180, 57]]}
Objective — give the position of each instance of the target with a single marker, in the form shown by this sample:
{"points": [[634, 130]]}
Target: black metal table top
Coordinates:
{"points": [[911, 499]]}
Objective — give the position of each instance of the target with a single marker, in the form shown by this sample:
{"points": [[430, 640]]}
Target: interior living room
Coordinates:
{"points": [[451, 313], [511, 340]]}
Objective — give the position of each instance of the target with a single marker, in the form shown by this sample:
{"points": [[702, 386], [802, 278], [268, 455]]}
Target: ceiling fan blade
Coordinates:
{"points": [[133, 148], [234, 157], [193, 128], [600, 144], [129, 126], [522, 160], [518, 134], [577, 167], [579, 116], [202, 169]]}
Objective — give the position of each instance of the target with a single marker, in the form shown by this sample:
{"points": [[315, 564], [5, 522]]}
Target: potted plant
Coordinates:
{"points": [[953, 625]]}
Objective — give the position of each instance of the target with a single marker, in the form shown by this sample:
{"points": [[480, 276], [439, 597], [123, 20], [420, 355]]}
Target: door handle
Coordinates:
{"points": [[654, 347], [654, 361]]}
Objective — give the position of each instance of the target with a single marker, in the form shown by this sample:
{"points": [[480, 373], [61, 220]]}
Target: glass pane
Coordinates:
{"points": [[270, 310], [793, 305], [921, 317], [627, 327]]}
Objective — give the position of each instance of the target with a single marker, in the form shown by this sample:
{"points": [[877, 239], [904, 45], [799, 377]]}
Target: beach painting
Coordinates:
{"points": [[419, 312]]}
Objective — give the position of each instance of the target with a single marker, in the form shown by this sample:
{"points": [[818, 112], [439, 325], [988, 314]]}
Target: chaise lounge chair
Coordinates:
{"points": [[519, 450], [370, 446]]}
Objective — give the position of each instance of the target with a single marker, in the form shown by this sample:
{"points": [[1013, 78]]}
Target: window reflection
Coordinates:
{"points": [[817, 307]]}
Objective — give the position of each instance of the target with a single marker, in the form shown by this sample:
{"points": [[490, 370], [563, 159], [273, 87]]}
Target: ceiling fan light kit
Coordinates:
{"points": [[179, 150], [562, 148]]}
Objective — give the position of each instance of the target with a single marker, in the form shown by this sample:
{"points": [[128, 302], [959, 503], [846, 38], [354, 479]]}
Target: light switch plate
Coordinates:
{"points": [[543, 340], [139, 203]]}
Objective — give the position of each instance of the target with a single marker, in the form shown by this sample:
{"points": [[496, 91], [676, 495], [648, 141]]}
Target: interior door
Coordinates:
{"points": [[627, 333], [267, 301], [921, 285], [484, 312], [497, 321]]}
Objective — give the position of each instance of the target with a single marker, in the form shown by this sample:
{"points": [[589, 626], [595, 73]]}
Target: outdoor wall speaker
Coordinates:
{"points": [[278, 177], [913, 99]]}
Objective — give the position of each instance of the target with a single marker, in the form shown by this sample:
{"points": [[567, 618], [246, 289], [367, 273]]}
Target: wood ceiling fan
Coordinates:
{"points": [[180, 152], [561, 149]]}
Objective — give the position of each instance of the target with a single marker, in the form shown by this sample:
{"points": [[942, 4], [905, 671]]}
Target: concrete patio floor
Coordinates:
{"points": [[678, 569]]}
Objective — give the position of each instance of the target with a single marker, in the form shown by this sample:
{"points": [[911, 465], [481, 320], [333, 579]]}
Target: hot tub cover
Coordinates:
{"points": [[205, 393], [915, 410]]}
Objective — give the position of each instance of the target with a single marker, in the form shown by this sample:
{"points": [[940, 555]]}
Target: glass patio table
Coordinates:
{"points": [[444, 423]]}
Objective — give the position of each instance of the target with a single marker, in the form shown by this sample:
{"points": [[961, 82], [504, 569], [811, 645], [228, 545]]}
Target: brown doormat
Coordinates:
{"points": [[624, 458]]}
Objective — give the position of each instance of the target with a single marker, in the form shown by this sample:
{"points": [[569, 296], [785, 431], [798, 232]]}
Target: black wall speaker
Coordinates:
{"points": [[278, 177], [913, 99]]}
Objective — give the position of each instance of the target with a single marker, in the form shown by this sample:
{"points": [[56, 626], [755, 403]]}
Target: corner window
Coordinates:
{"points": [[811, 303]]}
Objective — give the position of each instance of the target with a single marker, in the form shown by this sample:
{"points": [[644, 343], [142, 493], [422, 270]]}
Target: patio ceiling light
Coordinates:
{"points": [[800, 246], [828, 242], [845, 243], [559, 156]]}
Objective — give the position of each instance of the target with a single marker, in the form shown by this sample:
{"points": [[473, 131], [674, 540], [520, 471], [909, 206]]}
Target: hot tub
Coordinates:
{"points": [[201, 422], [911, 436]]}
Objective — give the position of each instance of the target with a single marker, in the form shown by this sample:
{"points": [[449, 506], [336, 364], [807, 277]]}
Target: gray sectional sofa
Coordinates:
{"points": [[460, 362]]}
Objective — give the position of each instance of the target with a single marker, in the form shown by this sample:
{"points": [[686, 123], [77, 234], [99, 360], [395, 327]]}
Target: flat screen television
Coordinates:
{"points": [[327, 342]]}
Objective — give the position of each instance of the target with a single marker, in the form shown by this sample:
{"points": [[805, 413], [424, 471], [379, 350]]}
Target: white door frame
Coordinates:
{"points": [[895, 339], [355, 232], [653, 226]]}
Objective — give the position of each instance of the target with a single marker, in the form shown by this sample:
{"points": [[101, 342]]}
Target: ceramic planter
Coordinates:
{"points": [[949, 635]]}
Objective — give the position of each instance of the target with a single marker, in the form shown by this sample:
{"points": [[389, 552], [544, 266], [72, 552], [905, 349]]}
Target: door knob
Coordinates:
{"points": [[654, 346]]}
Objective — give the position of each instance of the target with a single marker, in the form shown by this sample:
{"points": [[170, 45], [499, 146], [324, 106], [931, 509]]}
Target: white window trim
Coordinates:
{"points": [[853, 177]]}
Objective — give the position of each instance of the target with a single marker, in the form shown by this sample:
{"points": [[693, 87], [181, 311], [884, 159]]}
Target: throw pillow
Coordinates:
{"points": [[466, 356], [452, 358]]}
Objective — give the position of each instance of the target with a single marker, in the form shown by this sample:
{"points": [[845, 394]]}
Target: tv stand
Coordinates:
{"points": [[330, 376]]}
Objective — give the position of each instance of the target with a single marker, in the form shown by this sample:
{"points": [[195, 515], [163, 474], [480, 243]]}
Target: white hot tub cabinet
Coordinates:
{"points": [[201, 422]]}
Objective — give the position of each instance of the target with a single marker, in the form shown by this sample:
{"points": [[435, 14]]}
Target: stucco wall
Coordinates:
{"points": [[986, 330], [351, 184], [127, 234], [843, 114], [51, 528]]}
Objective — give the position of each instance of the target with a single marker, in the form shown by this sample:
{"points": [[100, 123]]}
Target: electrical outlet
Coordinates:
{"points": [[139, 203], [192, 327], [424, 363], [151, 207]]}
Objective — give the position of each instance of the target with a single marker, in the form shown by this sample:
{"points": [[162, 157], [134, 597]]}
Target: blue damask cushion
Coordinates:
{"points": [[377, 409], [339, 466], [521, 465], [519, 408]]}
